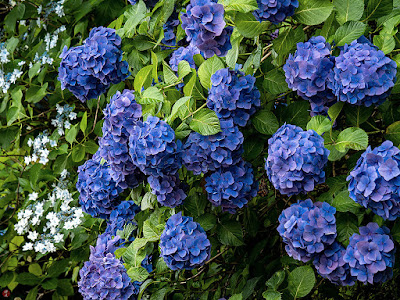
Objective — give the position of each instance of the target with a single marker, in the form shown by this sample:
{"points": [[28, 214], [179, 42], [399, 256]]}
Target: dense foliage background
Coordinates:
{"points": [[46, 133]]}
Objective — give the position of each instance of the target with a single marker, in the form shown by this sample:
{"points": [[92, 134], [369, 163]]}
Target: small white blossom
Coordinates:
{"points": [[33, 196], [33, 235], [27, 246], [58, 238]]}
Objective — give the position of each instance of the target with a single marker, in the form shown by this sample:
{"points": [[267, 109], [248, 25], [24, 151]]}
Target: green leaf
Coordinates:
{"points": [[64, 287], [134, 15], [181, 107], [207, 69], [27, 279], [150, 96], [6, 278], [71, 134], [253, 147], [243, 6], [248, 289], [385, 42], [233, 54], [348, 10], [138, 274], [334, 111], [313, 12], [274, 82], [272, 295], [34, 70], [195, 204], [207, 221], [49, 284], [352, 138], [36, 93], [393, 133], [143, 78], [78, 153], [184, 69], [319, 124], [248, 26], [265, 122], [148, 201], [297, 113], [32, 295], [11, 18], [358, 115], [343, 203], [395, 231], [349, 32], [205, 122], [276, 280], [230, 233], [169, 75], [286, 41], [378, 8], [35, 269], [301, 281], [91, 147], [150, 231], [83, 124], [346, 224]]}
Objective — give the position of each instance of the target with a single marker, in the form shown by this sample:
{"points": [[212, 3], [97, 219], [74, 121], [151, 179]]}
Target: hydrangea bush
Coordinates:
{"points": [[199, 149]]}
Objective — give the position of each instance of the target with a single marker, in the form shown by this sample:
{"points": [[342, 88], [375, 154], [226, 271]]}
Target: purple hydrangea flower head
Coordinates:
{"points": [[88, 70], [123, 214], [184, 243], [330, 265], [120, 115], [233, 96], [307, 229], [98, 191], [104, 276], [153, 148], [232, 187], [371, 254], [362, 75], [204, 25], [169, 33], [183, 53], [168, 189], [307, 72], [275, 11], [208, 153], [375, 180], [296, 160]]}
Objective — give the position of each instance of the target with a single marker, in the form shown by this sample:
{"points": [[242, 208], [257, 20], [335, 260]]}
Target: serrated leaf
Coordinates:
{"points": [[233, 54], [207, 69], [378, 8], [346, 224], [313, 12], [184, 69], [169, 75], [348, 10], [358, 115], [205, 122], [349, 32], [150, 231], [352, 138], [319, 124], [276, 280], [334, 110], [243, 6], [393, 133], [150, 96], [143, 78], [286, 41], [138, 274], [301, 281], [207, 221], [274, 82], [343, 203], [181, 107], [248, 26], [230, 233], [265, 122], [272, 295]]}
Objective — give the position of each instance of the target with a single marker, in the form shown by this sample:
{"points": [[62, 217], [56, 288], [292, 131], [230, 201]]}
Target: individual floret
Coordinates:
{"points": [[232, 187], [370, 254], [208, 153], [375, 181], [307, 229], [275, 11], [363, 75], [167, 189], [233, 96], [184, 243], [296, 160]]}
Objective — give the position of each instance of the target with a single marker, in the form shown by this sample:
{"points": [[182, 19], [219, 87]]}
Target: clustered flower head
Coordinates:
{"points": [[167, 189], [104, 276], [307, 72], [296, 160], [204, 25], [233, 96], [169, 31], [330, 265], [98, 191], [275, 11], [88, 70], [362, 75], [375, 180], [320, 104], [183, 53], [122, 215], [208, 153], [370, 254], [153, 148], [41, 151], [232, 187], [184, 243], [120, 115], [307, 229], [65, 114]]}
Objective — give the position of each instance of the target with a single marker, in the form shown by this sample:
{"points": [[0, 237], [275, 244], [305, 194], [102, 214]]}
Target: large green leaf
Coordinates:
{"points": [[313, 12], [346, 224], [243, 6], [230, 233], [301, 281], [274, 82], [248, 26], [348, 10], [378, 8], [205, 122], [352, 138], [207, 69], [393, 133], [349, 32], [265, 122], [319, 124], [343, 203]]}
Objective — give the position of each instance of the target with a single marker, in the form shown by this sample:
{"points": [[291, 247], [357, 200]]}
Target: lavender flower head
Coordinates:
{"points": [[232, 187], [375, 181], [330, 265], [98, 191], [120, 115], [275, 11], [370, 254], [307, 229], [208, 153], [204, 25], [233, 96], [168, 190], [153, 148], [184, 243], [296, 159], [183, 53], [363, 75]]}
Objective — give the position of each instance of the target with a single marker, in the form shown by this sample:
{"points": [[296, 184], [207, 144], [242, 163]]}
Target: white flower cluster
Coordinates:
{"points": [[40, 149], [54, 6], [52, 39], [47, 222], [6, 79], [63, 118]]}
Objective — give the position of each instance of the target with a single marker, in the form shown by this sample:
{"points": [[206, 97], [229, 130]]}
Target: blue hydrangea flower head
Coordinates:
{"points": [[296, 160], [307, 72], [375, 180], [204, 25], [362, 75], [208, 153], [371, 254], [169, 31], [153, 148], [275, 11], [184, 243], [307, 229], [88, 70], [232, 187], [330, 265], [233, 96], [320, 104], [98, 191], [183, 53], [120, 115], [123, 214], [104, 276], [167, 189]]}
